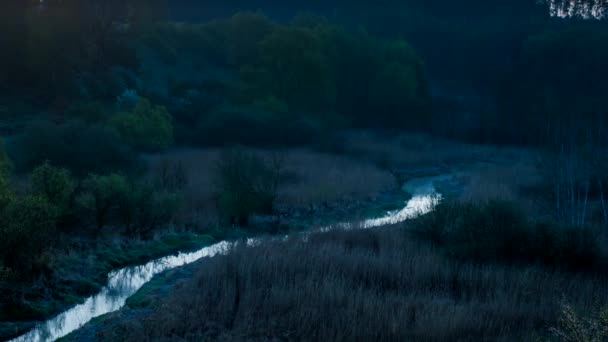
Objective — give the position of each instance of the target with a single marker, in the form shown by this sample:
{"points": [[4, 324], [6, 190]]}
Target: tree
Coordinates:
{"points": [[398, 93], [294, 68], [55, 185], [144, 209], [79, 147], [101, 196], [148, 127], [246, 184], [28, 228]]}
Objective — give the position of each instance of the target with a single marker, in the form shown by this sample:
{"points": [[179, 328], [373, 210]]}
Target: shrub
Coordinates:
{"points": [[115, 200], [573, 328], [246, 184], [101, 196], [77, 146], [259, 125], [143, 209], [148, 127], [6, 165], [499, 231], [90, 112], [28, 229], [55, 185]]}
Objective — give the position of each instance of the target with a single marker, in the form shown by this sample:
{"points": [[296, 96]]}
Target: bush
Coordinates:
{"points": [[90, 112], [55, 185], [6, 165], [147, 128], [246, 184], [114, 200], [259, 126], [101, 196], [28, 229], [77, 146], [143, 209], [573, 328], [499, 231]]}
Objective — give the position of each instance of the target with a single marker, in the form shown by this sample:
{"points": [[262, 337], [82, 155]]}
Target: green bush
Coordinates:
{"points": [[257, 125], [246, 184], [6, 165], [90, 112], [499, 231], [28, 229], [144, 209], [114, 200], [573, 328], [77, 146], [101, 196], [148, 127], [55, 185]]}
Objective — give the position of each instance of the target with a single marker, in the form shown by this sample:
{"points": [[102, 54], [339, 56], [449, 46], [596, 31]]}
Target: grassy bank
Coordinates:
{"points": [[80, 270], [380, 285]]}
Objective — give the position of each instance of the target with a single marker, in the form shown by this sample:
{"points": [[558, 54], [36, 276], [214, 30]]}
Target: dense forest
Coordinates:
{"points": [[133, 129]]}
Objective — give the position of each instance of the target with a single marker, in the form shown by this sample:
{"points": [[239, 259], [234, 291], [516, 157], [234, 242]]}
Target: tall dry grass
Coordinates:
{"points": [[360, 286]]}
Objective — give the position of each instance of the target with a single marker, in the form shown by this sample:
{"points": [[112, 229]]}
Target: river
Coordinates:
{"points": [[125, 282]]}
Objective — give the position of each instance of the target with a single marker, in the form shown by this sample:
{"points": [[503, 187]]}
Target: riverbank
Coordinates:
{"points": [[383, 285], [82, 272]]}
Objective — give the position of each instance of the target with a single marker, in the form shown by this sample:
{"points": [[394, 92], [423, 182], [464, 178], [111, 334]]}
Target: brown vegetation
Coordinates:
{"points": [[360, 286]]}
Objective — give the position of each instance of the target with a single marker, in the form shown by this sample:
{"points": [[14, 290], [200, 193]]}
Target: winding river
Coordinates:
{"points": [[125, 282]]}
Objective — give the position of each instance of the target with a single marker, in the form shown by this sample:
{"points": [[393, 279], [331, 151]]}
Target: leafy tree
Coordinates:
{"points": [[148, 127], [54, 184], [6, 165], [101, 196], [28, 228], [294, 68], [79, 147], [144, 209], [246, 184]]}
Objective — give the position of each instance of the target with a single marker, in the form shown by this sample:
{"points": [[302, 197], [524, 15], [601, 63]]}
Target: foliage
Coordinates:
{"points": [[143, 209], [88, 111], [55, 185], [101, 195], [573, 328], [6, 165], [247, 184], [28, 229], [79, 147], [139, 209], [276, 76], [148, 127], [258, 124], [498, 231]]}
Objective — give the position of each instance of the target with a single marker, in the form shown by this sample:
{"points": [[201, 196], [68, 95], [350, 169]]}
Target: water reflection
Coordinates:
{"points": [[122, 284], [125, 282]]}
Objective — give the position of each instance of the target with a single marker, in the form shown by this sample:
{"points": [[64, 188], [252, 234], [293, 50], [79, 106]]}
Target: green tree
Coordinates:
{"points": [[148, 127], [54, 184], [399, 93], [246, 184], [28, 229], [102, 195], [144, 209], [293, 66]]}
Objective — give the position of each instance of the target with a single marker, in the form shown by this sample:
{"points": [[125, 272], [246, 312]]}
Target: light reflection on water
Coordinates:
{"points": [[125, 282]]}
